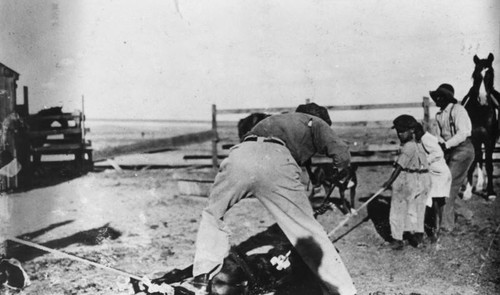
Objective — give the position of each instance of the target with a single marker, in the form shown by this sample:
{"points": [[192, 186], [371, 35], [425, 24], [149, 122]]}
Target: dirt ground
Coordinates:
{"points": [[138, 221]]}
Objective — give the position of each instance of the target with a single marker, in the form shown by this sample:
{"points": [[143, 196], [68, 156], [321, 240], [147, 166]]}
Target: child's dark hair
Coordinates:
{"points": [[419, 131]]}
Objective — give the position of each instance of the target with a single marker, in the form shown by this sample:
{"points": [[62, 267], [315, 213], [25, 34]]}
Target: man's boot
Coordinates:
{"points": [[199, 285]]}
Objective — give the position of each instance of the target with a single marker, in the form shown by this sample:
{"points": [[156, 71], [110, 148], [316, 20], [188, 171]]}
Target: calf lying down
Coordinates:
{"points": [[265, 263]]}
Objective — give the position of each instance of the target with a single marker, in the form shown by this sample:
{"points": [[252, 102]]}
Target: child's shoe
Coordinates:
{"points": [[397, 245]]}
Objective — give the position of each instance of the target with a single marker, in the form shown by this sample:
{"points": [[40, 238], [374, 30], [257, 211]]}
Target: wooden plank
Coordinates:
{"points": [[195, 183], [215, 139], [255, 110], [194, 188], [203, 157], [67, 146], [153, 145], [375, 106], [329, 107], [375, 158], [114, 165], [355, 150], [368, 124], [383, 148]]}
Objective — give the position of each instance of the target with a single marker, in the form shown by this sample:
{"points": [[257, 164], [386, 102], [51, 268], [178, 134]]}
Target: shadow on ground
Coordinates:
{"points": [[89, 237]]}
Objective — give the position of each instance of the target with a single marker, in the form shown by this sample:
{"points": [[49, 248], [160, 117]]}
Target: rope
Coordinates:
{"points": [[352, 214], [73, 257]]}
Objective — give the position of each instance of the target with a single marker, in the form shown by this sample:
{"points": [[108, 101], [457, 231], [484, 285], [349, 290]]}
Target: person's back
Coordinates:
{"points": [[434, 152], [304, 135]]}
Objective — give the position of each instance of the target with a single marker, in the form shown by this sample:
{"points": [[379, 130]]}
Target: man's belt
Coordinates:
{"points": [[264, 139], [416, 170]]}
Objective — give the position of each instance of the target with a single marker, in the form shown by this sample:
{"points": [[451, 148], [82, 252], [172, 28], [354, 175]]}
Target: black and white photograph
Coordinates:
{"points": [[235, 147]]}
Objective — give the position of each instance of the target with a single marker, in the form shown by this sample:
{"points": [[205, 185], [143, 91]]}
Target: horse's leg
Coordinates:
{"points": [[352, 189], [467, 194], [489, 168], [352, 193], [480, 177], [346, 207], [478, 167]]}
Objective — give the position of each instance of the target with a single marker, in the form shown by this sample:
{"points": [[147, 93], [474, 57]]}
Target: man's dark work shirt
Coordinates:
{"points": [[305, 135]]}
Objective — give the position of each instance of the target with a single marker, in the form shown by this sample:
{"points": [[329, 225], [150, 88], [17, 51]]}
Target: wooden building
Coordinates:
{"points": [[8, 89], [14, 154]]}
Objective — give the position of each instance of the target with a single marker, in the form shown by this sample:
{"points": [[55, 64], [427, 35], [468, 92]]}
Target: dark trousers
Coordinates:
{"points": [[459, 160]]}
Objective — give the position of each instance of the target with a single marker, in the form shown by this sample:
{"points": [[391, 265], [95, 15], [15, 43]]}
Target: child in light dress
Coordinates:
{"points": [[410, 184]]}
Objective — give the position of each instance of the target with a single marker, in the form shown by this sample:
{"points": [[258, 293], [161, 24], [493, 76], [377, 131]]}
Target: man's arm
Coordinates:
{"points": [[328, 143], [463, 126]]}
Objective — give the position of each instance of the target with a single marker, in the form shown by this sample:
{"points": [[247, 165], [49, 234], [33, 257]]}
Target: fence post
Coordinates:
{"points": [[215, 138], [427, 116]]}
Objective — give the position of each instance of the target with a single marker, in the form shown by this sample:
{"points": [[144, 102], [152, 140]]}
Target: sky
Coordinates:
{"points": [[161, 59]]}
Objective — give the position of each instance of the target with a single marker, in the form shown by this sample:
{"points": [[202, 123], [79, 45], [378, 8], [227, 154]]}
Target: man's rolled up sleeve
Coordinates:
{"points": [[328, 143]]}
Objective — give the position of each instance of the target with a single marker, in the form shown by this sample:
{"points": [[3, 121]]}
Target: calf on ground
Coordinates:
{"points": [[249, 268]]}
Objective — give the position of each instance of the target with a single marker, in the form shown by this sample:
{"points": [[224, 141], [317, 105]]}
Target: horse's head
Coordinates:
{"points": [[489, 76], [482, 67], [483, 64]]}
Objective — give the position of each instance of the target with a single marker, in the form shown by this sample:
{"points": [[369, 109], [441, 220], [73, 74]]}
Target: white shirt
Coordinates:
{"points": [[439, 172], [432, 148], [463, 127]]}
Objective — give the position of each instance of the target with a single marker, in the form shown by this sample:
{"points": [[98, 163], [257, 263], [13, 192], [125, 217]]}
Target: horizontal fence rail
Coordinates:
{"points": [[329, 107], [425, 104]]}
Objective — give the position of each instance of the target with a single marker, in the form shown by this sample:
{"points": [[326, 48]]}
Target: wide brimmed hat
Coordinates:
{"points": [[444, 90], [315, 110], [404, 122]]}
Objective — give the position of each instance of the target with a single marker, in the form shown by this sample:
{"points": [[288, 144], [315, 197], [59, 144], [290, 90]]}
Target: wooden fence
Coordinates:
{"points": [[425, 105]]}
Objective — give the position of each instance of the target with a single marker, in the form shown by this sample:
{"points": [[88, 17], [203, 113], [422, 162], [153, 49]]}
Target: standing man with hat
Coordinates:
{"points": [[454, 131], [266, 165]]}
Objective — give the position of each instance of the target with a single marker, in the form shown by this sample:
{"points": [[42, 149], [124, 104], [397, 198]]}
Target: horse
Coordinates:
{"points": [[483, 115]]}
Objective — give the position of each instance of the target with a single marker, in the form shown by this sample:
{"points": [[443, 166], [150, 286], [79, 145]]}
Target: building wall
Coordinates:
{"points": [[8, 87]]}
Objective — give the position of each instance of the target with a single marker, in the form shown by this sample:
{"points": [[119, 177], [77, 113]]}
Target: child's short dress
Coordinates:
{"points": [[410, 191], [438, 169]]}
